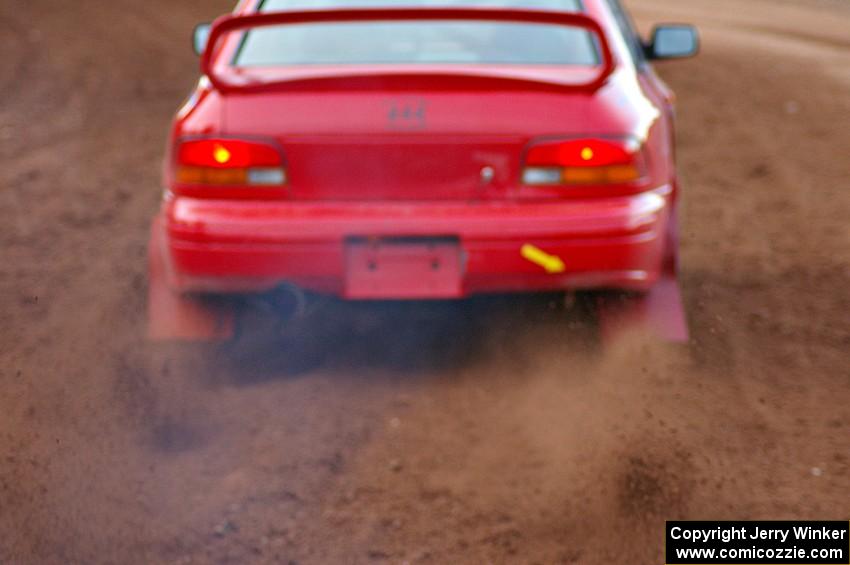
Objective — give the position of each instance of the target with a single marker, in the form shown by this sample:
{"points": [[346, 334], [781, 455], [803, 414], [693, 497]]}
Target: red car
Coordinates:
{"points": [[420, 152]]}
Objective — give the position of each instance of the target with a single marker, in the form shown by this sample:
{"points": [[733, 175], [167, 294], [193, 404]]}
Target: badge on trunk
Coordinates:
{"points": [[407, 114]]}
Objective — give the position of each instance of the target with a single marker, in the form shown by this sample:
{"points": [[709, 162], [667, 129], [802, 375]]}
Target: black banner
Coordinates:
{"points": [[758, 543]]}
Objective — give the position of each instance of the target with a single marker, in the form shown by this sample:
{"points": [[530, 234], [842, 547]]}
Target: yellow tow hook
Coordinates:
{"points": [[551, 263]]}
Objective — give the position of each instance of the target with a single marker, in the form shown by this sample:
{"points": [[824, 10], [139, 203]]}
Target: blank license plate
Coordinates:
{"points": [[406, 269]]}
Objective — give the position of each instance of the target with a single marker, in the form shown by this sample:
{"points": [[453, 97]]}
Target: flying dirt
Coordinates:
{"points": [[492, 430]]}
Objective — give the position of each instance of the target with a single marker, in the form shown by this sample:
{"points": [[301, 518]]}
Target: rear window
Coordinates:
{"points": [[425, 42]]}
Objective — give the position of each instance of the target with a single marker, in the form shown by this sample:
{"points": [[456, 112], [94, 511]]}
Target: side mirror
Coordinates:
{"points": [[200, 37], [673, 42]]}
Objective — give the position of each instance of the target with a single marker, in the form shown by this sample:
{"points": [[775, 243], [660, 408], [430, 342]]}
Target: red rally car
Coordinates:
{"points": [[431, 151]]}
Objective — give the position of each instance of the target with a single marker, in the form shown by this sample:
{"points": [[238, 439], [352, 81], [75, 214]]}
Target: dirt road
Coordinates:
{"points": [[473, 433]]}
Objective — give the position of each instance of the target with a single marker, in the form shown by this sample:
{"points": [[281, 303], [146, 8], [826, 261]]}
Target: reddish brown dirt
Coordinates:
{"points": [[483, 432]]}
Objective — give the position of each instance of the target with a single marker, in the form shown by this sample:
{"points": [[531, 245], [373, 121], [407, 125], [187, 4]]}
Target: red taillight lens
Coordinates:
{"points": [[584, 162], [228, 162]]}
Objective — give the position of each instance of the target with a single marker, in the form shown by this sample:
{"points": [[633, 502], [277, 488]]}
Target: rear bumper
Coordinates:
{"points": [[239, 246]]}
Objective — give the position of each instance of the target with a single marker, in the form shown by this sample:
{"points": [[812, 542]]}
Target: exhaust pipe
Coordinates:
{"points": [[289, 302], [271, 315]]}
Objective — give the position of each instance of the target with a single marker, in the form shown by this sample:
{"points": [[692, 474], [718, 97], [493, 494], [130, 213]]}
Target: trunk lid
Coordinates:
{"points": [[420, 145]]}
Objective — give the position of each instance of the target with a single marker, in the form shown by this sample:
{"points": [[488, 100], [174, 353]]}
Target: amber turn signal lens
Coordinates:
{"points": [[584, 176], [203, 175], [614, 174]]}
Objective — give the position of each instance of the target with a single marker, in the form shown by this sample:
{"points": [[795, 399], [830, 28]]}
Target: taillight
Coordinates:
{"points": [[584, 162], [228, 162]]}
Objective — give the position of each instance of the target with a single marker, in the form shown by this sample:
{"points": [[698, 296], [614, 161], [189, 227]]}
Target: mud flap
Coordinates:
{"points": [[179, 317], [659, 313]]}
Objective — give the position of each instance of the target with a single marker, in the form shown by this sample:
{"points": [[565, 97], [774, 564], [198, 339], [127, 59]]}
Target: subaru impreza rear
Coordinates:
{"points": [[418, 153]]}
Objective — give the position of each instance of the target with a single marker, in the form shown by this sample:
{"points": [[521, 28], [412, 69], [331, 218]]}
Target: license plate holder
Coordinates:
{"points": [[403, 269]]}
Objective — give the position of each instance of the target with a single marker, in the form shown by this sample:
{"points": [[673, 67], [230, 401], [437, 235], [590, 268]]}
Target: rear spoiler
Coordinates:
{"points": [[211, 66]]}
